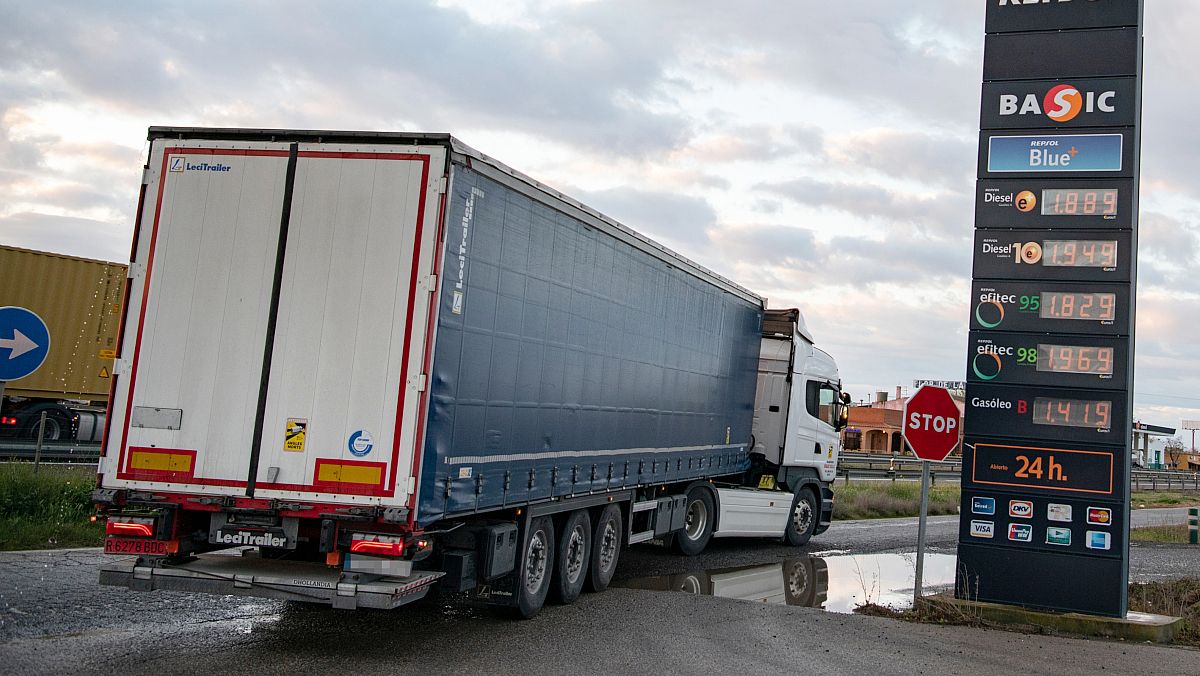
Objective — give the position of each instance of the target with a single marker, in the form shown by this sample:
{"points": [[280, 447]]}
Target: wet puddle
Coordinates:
{"points": [[838, 583]]}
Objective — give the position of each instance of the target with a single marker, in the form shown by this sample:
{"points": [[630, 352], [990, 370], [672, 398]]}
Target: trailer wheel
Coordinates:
{"points": [[698, 523], [537, 567], [573, 556], [803, 521], [606, 548]]}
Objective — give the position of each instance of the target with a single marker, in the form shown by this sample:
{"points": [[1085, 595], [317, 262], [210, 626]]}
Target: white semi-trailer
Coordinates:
{"points": [[355, 365]]}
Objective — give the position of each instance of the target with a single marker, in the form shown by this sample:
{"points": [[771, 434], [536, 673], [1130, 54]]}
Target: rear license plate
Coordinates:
{"points": [[143, 547]]}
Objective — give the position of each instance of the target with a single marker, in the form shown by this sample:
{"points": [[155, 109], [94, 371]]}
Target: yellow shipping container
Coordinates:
{"points": [[80, 301]]}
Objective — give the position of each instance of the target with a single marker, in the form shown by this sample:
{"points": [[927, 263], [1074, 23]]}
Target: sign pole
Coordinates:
{"points": [[921, 533]]}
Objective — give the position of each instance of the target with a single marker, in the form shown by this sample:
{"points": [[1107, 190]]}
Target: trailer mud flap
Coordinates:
{"points": [[228, 574]]}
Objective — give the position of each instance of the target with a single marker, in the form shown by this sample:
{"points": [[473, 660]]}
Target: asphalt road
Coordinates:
{"points": [[54, 618]]}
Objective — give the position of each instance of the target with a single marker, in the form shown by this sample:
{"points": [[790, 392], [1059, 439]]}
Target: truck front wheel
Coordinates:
{"points": [[698, 522], [803, 520]]}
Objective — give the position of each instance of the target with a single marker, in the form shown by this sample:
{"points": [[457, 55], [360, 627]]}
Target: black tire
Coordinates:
{"points": [[58, 426], [607, 537], [691, 583], [802, 522], [698, 524], [536, 568], [798, 582], [573, 558]]}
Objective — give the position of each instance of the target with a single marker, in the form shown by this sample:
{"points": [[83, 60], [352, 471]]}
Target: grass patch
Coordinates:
{"points": [[48, 509], [1177, 598], [1172, 534], [1148, 499], [885, 499]]}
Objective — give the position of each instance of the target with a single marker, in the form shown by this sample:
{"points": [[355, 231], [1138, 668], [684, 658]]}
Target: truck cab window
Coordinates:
{"points": [[821, 402]]}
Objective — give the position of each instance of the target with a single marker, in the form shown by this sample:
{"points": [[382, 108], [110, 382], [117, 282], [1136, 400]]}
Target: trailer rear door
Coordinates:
{"points": [[232, 386]]}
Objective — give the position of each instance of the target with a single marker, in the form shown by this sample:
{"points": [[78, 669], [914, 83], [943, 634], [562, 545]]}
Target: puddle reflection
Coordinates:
{"points": [[835, 583]]}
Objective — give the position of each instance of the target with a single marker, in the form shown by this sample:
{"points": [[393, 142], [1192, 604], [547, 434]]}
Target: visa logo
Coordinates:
{"points": [[983, 529]]}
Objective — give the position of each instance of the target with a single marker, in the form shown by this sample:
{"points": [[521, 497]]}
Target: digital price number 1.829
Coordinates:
{"points": [[1097, 307]]}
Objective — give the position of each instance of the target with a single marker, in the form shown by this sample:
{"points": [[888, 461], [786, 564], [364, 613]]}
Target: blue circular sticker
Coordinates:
{"points": [[360, 443]]}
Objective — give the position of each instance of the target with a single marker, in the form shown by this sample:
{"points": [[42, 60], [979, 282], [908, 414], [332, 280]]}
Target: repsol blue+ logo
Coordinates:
{"points": [[1066, 153]]}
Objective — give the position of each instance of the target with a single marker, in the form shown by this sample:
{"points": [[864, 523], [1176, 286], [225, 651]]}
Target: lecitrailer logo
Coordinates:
{"points": [[179, 163], [1049, 154], [1062, 103]]}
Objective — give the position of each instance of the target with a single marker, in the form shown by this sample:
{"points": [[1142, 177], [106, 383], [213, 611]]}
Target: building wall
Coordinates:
{"points": [[878, 428]]}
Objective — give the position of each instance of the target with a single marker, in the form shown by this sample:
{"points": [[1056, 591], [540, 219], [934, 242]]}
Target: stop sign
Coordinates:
{"points": [[931, 423]]}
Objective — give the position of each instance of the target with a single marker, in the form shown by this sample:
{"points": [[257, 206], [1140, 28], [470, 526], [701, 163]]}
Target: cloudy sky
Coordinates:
{"points": [[820, 153]]}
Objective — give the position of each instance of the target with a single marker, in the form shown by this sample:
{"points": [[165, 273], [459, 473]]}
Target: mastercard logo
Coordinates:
{"points": [[1063, 103]]}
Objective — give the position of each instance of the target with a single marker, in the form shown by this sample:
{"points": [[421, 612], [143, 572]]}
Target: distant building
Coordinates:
{"points": [[877, 427]]}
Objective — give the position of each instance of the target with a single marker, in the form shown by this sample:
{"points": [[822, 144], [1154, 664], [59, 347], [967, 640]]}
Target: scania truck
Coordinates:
{"points": [[355, 365]]}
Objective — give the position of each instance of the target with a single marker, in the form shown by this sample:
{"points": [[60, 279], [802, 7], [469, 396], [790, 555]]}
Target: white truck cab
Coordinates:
{"points": [[799, 410]]}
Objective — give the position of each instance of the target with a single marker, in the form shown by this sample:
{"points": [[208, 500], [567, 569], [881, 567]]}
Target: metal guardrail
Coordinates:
{"points": [[52, 451], [1164, 480], [874, 467]]}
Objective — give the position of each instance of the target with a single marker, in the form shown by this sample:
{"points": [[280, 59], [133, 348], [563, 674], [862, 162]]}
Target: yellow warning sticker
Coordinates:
{"points": [[293, 437], [108, 354], [103, 372]]}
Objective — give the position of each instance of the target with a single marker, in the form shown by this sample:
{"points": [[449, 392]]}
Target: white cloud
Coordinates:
{"points": [[819, 153]]}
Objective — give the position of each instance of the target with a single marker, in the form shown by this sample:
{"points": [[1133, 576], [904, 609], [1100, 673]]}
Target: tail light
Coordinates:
{"points": [[130, 526], [376, 545], [7, 420]]}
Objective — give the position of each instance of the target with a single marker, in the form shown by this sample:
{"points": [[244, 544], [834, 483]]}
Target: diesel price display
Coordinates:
{"points": [[1060, 253], [1081, 256], [1079, 202], [1094, 414]]}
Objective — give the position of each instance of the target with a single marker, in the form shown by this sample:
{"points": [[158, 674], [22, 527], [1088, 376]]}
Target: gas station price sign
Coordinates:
{"points": [[1046, 460], [1051, 307], [1055, 203], [1077, 255], [1096, 362], [1059, 414]]}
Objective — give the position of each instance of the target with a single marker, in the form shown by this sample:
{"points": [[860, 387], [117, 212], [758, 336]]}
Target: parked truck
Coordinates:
{"points": [[355, 365], [79, 299]]}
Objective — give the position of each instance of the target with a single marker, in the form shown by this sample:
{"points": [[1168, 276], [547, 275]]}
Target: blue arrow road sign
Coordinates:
{"points": [[24, 342]]}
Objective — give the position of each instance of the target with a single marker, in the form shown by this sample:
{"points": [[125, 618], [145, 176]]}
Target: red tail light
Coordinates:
{"points": [[376, 545], [6, 420], [129, 526]]}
